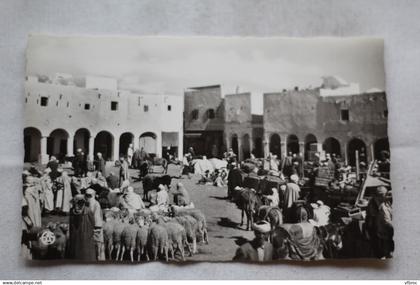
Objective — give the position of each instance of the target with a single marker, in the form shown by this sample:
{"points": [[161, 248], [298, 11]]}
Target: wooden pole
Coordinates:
{"points": [[357, 165]]}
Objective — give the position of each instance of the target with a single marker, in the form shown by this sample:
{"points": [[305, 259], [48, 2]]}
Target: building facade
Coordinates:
{"points": [[243, 130], [61, 117], [204, 120], [304, 121]]}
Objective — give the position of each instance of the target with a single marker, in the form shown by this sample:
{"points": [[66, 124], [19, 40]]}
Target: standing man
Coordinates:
{"points": [[259, 249], [96, 211], [81, 233], [53, 166], [142, 164], [124, 175], [130, 153], [100, 164], [291, 195], [78, 163], [379, 224]]}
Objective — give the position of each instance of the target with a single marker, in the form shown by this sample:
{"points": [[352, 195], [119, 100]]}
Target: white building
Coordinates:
{"points": [[336, 86], [98, 118]]}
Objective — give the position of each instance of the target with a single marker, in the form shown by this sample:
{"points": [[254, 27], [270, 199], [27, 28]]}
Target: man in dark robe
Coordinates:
{"points": [[78, 163], [100, 164], [142, 162], [81, 240], [235, 178], [259, 249], [53, 165], [113, 181]]}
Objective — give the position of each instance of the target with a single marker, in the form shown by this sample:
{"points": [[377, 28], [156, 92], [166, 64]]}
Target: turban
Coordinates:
{"points": [[381, 191], [90, 191], [294, 178], [262, 227]]}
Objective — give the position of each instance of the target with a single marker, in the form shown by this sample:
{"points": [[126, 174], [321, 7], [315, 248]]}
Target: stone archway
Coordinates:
{"points": [[353, 146], [81, 140], [57, 144], [310, 146], [380, 146], [235, 144], [258, 147], [246, 147], [32, 144], [148, 141], [126, 139], [275, 145], [332, 146], [292, 144], [104, 143]]}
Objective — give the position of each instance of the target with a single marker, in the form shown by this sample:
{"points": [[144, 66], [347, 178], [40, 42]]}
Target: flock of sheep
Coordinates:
{"points": [[153, 235]]}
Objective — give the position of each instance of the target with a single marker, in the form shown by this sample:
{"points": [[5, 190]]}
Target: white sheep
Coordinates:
{"points": [[190, 225], [129, 239], [158, 240]]}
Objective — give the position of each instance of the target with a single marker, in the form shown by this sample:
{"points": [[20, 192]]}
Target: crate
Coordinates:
{"points": [[252, 182], [322, 182]]}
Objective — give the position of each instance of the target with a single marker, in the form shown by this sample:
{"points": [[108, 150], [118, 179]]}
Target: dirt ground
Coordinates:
{"points": [[223, 217]]}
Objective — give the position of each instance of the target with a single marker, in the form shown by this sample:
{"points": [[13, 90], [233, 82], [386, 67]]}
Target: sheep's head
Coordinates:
{"points": [[64, 227], [52, 226]]}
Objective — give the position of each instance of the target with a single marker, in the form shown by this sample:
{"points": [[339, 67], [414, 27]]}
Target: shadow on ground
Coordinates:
{"points": [[228, 223], [239, 240]]}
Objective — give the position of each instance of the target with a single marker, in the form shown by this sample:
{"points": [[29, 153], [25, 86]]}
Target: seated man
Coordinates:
{"points": [[259, 249], [131, 201], [181, 196], [113, 181], [161, 199]]}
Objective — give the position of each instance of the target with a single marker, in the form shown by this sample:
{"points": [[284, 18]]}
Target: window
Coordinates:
{"points": [[385, 113], [87, 106], [345, 115], [210, 113], [99, 95], [138, 101], [26, 100], [114, 106], [146, 108], [68, 104], [194, 114], [61, 96], [44, 101], [169, 107]]}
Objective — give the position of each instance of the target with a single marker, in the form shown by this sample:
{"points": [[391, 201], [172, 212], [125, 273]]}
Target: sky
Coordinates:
{"points": [[169, 65]]}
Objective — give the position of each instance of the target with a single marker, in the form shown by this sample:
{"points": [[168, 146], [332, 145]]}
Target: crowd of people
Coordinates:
{"points": [[86, 189], [83, 194], [299, 206]]}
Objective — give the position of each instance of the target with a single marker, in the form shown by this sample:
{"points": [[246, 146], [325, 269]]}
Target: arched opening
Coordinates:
{"points": [[310, 147], [104, 143], [125, 140], [353, 146], [332, 146], [32, 144], [57, 144], [275, 147], [380, 146], [148, 141], [81, 140], [246, 147], [292, 144], [258, 147], [234, 144]]}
